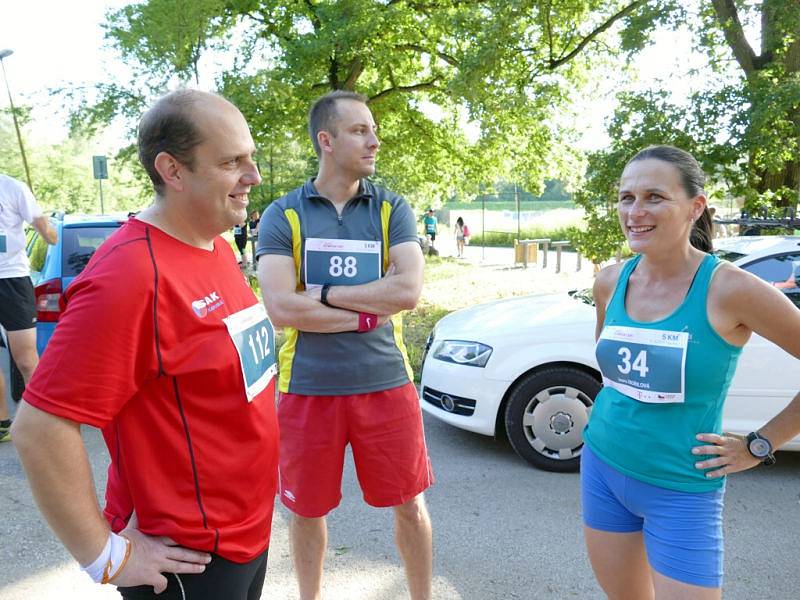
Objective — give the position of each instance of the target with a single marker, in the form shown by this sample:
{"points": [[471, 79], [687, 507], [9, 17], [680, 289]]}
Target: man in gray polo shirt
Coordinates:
{"points": [[338, 261]]}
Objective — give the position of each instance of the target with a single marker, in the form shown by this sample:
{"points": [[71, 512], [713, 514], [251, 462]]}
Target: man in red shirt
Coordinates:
{"points": [[165, 348]]}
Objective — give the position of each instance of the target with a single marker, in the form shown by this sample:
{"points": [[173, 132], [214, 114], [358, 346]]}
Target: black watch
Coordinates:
{"points": [[323, 295], [760, 447]]}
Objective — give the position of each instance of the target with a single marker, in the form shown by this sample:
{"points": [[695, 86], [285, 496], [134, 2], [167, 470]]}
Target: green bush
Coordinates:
{"points": [[505, 239], [537, 205]]}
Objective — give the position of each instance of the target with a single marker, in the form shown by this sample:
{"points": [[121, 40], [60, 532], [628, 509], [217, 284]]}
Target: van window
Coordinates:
{"points": [[79, 245]]}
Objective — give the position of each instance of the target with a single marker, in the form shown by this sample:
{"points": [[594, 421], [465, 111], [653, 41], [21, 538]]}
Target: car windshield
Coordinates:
{"points": [[79, 244], [584, 295], [728, 255]]}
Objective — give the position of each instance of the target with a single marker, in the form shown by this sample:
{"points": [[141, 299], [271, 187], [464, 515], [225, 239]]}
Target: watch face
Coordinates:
{"points": [[759, 448]]}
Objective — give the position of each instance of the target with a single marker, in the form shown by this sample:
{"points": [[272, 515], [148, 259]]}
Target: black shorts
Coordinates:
{"points": [[241, 242], [221, 579], [432, 236], [17, 304]]}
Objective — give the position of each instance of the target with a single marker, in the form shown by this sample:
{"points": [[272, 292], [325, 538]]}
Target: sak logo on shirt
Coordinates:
{"points": [[207, 304]]}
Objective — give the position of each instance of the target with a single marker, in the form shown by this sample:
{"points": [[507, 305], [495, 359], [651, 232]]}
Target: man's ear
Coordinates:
{"points": [[324, 141], [171, 170]]}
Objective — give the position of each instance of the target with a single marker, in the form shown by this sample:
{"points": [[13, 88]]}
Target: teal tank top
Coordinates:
{"points": [[663, 383]]}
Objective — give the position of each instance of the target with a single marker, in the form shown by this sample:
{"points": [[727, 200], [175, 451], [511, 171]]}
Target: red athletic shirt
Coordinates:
{"points": [[142, 352]]}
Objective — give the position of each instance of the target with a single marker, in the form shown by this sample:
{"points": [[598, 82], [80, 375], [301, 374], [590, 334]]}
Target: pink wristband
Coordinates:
{"points": [[367, 322]]}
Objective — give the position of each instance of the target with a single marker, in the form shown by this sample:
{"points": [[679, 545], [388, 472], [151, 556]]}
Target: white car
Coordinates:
{"points": [[526, 365]]}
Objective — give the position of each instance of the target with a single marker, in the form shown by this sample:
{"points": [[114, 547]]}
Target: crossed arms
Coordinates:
{"points": [[397, 290]]}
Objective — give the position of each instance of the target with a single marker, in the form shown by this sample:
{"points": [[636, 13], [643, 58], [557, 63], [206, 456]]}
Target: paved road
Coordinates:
{"points": [[502, 531]]}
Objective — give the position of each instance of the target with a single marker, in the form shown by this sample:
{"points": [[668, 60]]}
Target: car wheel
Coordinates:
{"points": [[545, 416], [17, 382]]}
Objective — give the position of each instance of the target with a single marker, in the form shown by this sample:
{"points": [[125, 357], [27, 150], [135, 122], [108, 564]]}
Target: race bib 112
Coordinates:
{"points": [[254, 339]]}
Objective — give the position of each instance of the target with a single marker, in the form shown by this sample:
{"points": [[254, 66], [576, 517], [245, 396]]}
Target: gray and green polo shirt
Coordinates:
{"points": [[345, 249]]}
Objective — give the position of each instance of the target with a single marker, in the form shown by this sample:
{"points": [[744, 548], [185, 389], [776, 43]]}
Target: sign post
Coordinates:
{"points": [[100, 166]]}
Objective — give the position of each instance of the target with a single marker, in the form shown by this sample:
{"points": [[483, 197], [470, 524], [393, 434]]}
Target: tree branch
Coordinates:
{"points": [[356, 68], [728, 18], [425, 85], [554, 63], [333, 75], [422, 50], [549, 32]]}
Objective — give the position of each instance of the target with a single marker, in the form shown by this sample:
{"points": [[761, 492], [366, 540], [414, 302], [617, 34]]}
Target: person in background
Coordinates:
{"points": [[460, 237], [240, 239], [252, 223], [431, 224], [719, 229], [17, 301], [671, 323]]}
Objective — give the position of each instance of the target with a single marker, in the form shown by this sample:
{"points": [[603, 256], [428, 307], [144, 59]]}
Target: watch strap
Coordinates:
{"points": [[323, 295]]}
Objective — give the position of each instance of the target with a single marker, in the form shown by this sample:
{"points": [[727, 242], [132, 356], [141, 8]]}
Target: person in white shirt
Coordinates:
{"points": [[17, 302]]}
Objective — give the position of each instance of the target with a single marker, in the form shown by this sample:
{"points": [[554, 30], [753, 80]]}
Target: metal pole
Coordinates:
{"points": [[483, 227], [271, 181], [16, 126], [519, 217], [102, 209]]}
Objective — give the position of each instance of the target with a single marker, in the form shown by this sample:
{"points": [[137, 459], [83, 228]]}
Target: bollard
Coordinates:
{"points": [[558, 246], [544, 243]]}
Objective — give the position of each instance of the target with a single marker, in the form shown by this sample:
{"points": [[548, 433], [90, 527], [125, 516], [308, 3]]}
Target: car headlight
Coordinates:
{"points": [[472, 354]]}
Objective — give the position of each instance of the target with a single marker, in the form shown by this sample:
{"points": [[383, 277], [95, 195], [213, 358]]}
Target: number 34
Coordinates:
{"points": [[639, 363]]}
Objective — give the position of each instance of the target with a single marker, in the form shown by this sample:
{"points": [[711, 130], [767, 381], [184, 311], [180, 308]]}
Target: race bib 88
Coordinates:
{"points": [[341, 262], [648, 365]]}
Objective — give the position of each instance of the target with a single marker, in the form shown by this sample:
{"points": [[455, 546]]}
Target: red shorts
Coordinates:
{"points": [[385, 432]]}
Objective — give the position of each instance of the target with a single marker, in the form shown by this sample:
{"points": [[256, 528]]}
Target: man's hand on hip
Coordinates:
{"points": [[153, 555]]}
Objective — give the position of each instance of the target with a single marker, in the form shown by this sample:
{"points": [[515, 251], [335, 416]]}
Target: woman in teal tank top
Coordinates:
{"points": [[671, 323]]}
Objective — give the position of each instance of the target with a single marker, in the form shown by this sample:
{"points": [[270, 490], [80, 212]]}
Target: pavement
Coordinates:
{"points": [[502, 530]]}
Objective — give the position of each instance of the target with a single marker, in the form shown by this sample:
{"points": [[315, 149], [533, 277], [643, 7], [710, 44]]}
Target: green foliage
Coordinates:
{"points": [[63, 178], [746, 134], [506, 67], [506, 239]]}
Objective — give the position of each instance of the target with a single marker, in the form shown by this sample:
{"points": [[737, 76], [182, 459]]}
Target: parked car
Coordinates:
{"points": [[526, 366], [54, 267]]}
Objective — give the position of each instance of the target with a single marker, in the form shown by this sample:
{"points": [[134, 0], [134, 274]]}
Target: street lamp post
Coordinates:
{"points": [[3, 54]]}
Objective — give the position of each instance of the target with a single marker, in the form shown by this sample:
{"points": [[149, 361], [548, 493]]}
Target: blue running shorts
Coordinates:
{"points": [[682, 531]]}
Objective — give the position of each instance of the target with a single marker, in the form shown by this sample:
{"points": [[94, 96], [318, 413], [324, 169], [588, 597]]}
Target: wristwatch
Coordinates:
{"points": [[760, 447]]}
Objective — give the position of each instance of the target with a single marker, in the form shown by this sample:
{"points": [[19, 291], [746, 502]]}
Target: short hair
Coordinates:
{"points": [[169, 126], [693, 181], [323, 114]]}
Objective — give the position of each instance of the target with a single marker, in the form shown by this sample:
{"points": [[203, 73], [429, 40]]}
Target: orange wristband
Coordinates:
{"points": [[106, 578]]}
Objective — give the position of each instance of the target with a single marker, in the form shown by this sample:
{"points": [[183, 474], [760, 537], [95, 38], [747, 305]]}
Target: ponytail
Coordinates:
{"points": [[701, 234]]}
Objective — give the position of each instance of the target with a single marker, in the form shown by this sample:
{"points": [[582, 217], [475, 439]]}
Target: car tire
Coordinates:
{"points": [[545, 415]]}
